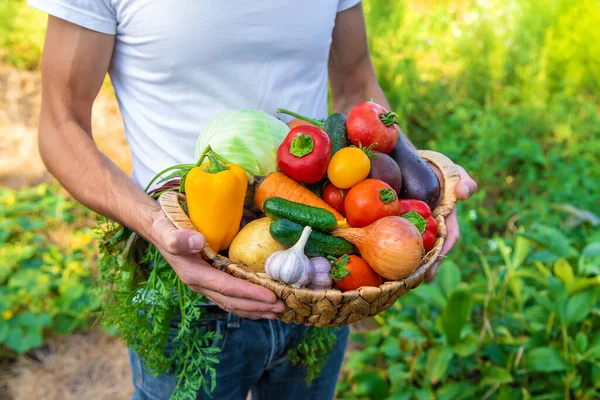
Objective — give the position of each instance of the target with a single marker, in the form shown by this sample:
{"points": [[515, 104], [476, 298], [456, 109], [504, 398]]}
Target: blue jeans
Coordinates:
{"points": [[252, 358]]}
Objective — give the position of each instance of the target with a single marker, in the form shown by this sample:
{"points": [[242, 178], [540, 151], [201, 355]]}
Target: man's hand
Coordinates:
{"points": [[181, 249], [465, 188]]}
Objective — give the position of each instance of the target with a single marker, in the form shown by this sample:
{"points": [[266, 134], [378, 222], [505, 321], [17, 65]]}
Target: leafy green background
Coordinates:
{"points": [[510, 90]]}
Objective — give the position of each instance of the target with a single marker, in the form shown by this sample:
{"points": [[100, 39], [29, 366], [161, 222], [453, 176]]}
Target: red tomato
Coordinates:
{"points": [[370, 123], [334, 197], [368, 201], [352, 272]]}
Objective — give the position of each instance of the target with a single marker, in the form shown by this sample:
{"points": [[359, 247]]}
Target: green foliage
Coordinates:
{"points": [[313, 351], [141, 295], [524, 328], [46, 253], [510, 90], [483, 83]]}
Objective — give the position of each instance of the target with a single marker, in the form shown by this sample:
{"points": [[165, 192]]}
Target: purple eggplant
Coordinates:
{"points": [[419, 182], [384, 168]]}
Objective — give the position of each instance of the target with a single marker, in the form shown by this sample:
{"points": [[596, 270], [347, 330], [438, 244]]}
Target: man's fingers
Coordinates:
{"points": [[229, 286], [236, 305], [466, 187], [453, 233], [178, 241], [245, 314]]}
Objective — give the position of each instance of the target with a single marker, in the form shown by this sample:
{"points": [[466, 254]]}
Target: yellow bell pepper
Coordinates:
{"points": [[215, 194]]}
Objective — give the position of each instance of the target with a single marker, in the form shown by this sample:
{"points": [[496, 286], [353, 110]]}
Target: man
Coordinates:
{"points": [[174, 65]]}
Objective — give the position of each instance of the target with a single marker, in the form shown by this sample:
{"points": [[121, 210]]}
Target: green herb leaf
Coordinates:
{"points": [[579, 306], [467, 346], [494, 375], [370, 384], [313, 350], [456, 391], [545, 359], [581, 342], [438, 361], [448, 276], [457, 312]]}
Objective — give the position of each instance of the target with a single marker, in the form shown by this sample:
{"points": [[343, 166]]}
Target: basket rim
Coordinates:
{"points": [[171, 205]]}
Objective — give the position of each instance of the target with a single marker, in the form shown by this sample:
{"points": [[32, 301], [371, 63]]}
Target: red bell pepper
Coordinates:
{"points": [[430, 234], [419, 213], [420, 207], [304, 154]]}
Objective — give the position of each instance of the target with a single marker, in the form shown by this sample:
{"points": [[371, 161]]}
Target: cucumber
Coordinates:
{"points": [[335, 127], [287, 233], [317, 218]]}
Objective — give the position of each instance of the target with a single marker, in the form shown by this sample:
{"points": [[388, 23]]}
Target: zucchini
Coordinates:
{"points": [[335, 127], [287, 233], [317, 218]]}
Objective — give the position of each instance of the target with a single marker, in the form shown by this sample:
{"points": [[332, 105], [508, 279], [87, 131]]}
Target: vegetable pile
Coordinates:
{"points": [[368, 221], [337, 204], [335, 197]]}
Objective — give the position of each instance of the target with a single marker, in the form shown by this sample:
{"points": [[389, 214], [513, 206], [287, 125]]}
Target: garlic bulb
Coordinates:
{"points": [[291, 266], [321, 279]]}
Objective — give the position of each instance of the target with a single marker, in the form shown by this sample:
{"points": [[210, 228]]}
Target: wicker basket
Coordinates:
{"points": [[332, 307]]}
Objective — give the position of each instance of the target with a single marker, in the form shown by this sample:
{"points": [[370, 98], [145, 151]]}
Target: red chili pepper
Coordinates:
{"points": [[422, 209], [304, 154]]}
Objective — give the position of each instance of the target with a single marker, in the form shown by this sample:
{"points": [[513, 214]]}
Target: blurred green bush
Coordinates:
{"points": [[46, 252], [22, 30], [509, 90], [520, 329]]}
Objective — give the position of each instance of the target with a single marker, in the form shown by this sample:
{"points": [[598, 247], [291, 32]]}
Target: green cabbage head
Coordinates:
{"points": [[248, 138]]}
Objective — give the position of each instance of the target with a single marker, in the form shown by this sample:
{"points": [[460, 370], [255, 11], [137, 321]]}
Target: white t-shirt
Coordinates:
{"points": [[178, 63]]}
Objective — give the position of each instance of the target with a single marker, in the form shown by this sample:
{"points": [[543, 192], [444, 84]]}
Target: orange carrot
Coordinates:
{"points": [[297, 122], [277, 184]]}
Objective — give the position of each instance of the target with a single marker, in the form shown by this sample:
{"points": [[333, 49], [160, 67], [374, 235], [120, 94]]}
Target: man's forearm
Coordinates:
{"points": [[351, 96], [70, 154]]}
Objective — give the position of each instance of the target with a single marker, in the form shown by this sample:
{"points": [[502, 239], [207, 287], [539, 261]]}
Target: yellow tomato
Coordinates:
{"points": [[348, 167]]}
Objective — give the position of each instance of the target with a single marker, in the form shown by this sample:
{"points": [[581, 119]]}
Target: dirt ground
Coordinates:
{"points": [[80, 366], [20, 100]]}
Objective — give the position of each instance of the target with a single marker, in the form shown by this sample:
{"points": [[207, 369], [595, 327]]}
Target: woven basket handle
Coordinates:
{"points": [[450, 177], [170, 202]]}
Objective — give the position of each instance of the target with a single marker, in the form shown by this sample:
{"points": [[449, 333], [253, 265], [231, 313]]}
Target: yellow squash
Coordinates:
{"points": [[215, 194]]}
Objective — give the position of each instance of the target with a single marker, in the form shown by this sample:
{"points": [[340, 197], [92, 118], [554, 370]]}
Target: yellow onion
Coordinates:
{"points": [[392, 246]]}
